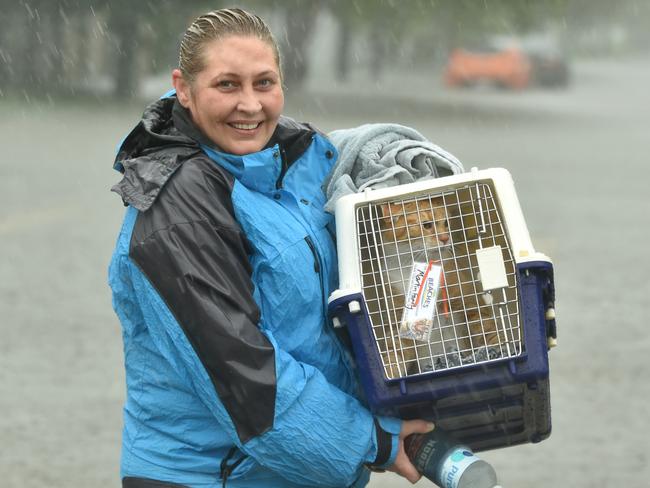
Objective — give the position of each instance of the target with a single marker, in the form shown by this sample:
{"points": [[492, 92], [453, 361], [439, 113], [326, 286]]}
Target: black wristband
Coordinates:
{"points": [[384, 446]]}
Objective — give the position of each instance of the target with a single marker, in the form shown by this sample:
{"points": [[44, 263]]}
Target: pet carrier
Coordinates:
{"points": [[448, 307]]}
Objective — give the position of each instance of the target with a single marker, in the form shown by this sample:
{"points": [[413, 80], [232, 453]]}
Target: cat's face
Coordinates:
{"points": [[419, 221]]}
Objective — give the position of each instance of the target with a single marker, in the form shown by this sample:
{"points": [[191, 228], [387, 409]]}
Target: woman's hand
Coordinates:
{"points": [[402, 464]]}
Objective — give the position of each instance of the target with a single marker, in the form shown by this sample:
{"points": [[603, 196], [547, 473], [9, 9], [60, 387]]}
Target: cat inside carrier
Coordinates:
{"points": [[449, 307]]}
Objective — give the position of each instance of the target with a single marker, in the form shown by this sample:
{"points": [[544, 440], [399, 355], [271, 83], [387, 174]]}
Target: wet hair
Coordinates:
{"points": [[219, 24]]}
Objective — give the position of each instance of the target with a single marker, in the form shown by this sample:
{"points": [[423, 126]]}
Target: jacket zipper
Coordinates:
{"points": [[227, 469], [345, 351], [317, 268], [283, 170]]}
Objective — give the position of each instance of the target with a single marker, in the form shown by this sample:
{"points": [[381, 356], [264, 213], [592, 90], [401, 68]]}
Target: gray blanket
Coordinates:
{"points": [[383, 155]]}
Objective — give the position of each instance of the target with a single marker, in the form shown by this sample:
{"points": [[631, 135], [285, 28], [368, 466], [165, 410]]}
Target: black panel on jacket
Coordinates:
{"points": [[192, 250]]}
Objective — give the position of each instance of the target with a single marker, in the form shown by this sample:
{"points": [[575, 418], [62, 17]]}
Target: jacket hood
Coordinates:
{"points": [[165, 138], [150, 154]]}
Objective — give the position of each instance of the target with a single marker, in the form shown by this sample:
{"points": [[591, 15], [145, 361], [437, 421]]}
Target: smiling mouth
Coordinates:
{"points": [[250, 126]]}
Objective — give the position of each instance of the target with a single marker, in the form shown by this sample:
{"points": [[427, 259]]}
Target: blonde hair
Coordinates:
{"points": [[216, 25]]}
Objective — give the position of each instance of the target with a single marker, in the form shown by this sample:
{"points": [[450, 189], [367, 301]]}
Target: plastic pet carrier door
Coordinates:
{"points": [[448, 306]]}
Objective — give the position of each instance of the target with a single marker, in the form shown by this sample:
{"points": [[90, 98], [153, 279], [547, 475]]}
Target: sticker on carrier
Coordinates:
{"points": [[420, 301]]}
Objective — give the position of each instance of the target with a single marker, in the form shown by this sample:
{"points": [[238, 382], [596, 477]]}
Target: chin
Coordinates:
{"points": [[243, 149], [244, 146]]}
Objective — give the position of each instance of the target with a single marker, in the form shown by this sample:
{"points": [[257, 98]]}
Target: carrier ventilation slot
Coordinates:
{"points": [[439, 280]]}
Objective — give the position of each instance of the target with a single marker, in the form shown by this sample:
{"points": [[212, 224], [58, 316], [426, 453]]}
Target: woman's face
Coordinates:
{"points": [[237, 99]]}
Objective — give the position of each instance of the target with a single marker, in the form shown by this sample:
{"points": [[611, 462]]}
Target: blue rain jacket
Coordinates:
{"points": [[220, 278]]}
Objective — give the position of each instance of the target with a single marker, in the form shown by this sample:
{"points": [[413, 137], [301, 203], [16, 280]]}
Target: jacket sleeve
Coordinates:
{"points": [[194, 288]]}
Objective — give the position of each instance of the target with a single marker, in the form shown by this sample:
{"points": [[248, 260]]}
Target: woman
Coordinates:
{"points": [[220, 278]]}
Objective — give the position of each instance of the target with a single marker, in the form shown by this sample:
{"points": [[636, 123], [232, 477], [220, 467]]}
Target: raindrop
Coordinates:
{"points": [[32, 13], [63, 15]]}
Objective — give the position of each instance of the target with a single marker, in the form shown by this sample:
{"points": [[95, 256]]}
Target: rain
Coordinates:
{"points": [[75, 76]]}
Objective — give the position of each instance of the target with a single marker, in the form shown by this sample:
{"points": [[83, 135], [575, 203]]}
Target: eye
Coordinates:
{"points": [[265, 83], [428, 225], [226, 85]]}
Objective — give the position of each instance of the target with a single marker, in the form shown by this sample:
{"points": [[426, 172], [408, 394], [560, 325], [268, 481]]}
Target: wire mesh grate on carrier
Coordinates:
{"points": [[448, 306]]}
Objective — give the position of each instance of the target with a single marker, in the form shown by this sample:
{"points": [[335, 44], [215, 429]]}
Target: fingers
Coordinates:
{"points": [[415, 427], [409, 427], [410, 473], [405, 468], [403, 465]]}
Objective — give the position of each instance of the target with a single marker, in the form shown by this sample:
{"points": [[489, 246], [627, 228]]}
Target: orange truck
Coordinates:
{"points": [[509, 68]]}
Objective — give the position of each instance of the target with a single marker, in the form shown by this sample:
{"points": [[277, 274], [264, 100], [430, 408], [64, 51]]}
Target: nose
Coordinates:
{"points": [[443, 237], [248, 101]]}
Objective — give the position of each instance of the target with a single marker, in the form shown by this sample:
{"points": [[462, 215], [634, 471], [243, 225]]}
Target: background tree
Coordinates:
{"points": [[51, 48], [295, 39]]}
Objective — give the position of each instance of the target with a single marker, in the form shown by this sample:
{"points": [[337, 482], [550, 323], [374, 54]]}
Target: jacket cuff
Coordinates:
{"points": [[387, 431]]}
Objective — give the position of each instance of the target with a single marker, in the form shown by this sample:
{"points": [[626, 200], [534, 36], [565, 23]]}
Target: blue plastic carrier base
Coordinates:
{"points": [[488, 405]]}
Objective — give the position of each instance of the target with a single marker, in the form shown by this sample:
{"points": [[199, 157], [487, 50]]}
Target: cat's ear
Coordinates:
{"points": [[391, 209]]}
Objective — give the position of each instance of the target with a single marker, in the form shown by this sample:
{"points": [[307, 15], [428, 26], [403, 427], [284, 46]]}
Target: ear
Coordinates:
{"points": [[394, 209], [182, 87], [390, 212]]}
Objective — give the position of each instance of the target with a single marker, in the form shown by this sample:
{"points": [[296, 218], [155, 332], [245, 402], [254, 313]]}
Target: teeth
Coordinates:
{"points": [[245, 126]]}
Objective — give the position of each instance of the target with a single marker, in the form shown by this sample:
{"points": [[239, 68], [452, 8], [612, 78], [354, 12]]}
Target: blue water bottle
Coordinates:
{"points": [[447, 463]]}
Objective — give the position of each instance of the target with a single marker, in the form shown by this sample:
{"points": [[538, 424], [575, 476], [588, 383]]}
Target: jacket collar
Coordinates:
{"points": [[258, 171]]}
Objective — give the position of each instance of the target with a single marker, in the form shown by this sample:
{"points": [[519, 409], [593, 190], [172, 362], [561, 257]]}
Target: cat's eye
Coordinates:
{"points": [[428, 225]]}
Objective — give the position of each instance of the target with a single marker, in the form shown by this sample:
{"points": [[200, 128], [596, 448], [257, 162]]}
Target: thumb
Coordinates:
{"points": [[416, 427]]}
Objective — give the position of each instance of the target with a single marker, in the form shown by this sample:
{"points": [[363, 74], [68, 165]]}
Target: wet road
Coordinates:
{"points": [[580, 164]]}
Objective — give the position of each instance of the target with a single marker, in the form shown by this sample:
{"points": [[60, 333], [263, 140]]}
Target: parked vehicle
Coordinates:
{"points": [[549, 66], [508, 68], [514, 64]]}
